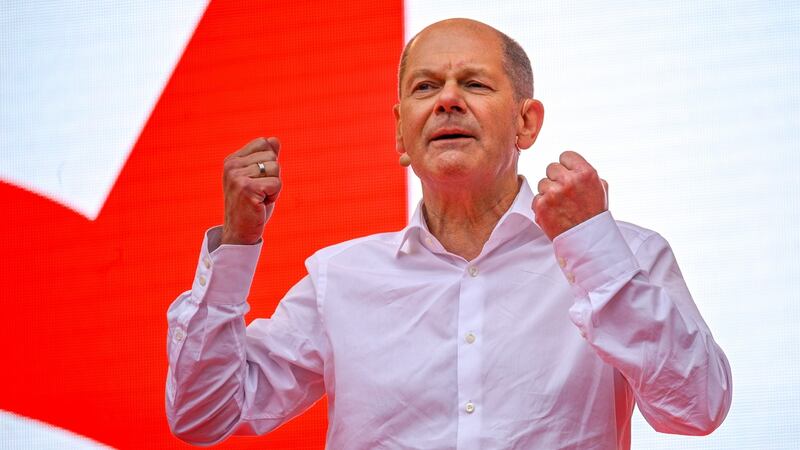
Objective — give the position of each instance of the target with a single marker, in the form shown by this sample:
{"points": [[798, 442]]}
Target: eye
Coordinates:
{"points": [[423, 87], [476, 85]]}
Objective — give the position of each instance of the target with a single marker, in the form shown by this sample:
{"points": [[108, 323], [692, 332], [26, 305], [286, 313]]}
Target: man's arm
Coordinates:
{"points": [[223, 379], [634, 309], [636, 312]]}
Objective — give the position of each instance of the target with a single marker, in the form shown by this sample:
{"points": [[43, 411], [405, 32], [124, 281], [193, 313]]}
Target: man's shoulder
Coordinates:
{"points": [[364, 247]]}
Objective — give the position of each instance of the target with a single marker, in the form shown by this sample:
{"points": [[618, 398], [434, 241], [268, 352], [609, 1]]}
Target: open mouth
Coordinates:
{"points": [[450, 136]]}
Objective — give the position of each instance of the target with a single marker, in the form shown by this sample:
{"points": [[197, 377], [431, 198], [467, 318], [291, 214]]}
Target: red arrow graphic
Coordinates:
{"points": [[84, 302]]}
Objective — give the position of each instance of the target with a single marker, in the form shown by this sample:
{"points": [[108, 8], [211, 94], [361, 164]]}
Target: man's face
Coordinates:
{"points": [[457, 116]]}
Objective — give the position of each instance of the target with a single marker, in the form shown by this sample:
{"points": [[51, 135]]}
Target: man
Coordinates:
{"points": [[496, 319]]}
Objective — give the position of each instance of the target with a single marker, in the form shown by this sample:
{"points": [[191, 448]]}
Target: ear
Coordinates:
{"points": [[398, 136], [529, 122]]}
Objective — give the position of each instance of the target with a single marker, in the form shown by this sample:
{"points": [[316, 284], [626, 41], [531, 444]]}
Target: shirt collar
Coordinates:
{"points": [[521, 207]]}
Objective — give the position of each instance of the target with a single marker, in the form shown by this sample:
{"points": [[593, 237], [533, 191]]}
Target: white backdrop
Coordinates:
{"points": [[691, 111]]}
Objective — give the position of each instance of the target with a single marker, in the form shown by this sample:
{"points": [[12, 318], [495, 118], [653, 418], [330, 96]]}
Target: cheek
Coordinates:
{"points": [[412, 128], [415, 113], [501, 133]]}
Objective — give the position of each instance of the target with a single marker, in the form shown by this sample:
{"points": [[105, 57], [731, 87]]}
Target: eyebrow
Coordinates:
{"points": [[428, 73]]}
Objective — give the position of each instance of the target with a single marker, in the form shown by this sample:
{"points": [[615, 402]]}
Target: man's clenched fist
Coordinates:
{"points": [[572, 193], [251, 183]]}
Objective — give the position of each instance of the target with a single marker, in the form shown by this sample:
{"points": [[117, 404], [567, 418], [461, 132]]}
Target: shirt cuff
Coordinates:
{"points": [[594, 253], [224, 272]]}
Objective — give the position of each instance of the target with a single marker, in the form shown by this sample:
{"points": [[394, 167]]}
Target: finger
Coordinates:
{"points": [[267, 188], [546, 185], [535, 203], [538, 207], [573, 161], [276, 144], [247, 165], [256, 157], [271, 169], [556, 171], [256, 145]]}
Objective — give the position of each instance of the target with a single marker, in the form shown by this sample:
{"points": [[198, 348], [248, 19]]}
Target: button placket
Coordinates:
{"points": [[473, 294]]}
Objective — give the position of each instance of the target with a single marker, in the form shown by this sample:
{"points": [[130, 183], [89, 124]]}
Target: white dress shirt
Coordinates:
{"points": [[532, 345]]}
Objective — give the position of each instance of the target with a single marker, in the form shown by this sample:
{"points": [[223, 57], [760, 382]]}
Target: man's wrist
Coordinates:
{"points": [[224, 273], [229, 238]]}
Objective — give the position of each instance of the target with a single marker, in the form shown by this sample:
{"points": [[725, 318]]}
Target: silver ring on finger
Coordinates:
{"points": [[262, 169]]}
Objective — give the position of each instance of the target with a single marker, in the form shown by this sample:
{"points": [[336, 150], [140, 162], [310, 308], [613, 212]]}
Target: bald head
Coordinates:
{"points": [[515, 61]]}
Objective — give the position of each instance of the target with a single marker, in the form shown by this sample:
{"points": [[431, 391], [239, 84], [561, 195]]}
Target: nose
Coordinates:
{"points": [[450, 100]]}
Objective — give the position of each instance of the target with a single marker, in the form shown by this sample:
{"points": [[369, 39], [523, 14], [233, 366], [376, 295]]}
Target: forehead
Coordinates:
{"points": [[455, 47]]}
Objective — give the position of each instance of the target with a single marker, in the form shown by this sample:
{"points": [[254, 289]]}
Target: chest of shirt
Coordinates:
{"points": [[498, 327]]}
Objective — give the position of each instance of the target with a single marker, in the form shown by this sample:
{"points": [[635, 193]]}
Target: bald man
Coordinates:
{"points": [[496, 319]]}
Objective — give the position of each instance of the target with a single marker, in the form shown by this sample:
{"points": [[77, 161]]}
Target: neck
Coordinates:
{"points": [[463, 219]]}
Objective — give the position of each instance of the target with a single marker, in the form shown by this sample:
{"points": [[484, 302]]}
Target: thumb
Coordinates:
{"points": [[536, 199]]}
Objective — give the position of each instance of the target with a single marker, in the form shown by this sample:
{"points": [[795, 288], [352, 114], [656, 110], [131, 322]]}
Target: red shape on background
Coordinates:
{"points": [[84, 323]]}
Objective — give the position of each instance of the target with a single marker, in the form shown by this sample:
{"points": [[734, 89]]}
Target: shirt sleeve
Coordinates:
{"points": [[225, 378], [635, 310]]}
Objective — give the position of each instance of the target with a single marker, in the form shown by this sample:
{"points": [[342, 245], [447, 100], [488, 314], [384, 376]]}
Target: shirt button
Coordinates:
{"points": [[429, 241], [473, 271], [207, 262], [202, 280], [178, 335], [469, 408], [470, 338], [571, 277], [562, 262]]}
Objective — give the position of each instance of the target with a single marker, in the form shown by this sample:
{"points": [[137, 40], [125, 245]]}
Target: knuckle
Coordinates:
{"points": [[255, 200], [254, 145], [567, 156], [228, 177], [542, 183], [231, 163], [239, 183], [588, 175]]}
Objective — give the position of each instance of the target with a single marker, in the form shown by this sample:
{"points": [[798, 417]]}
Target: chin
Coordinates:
{"points": [[453, 168]]}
